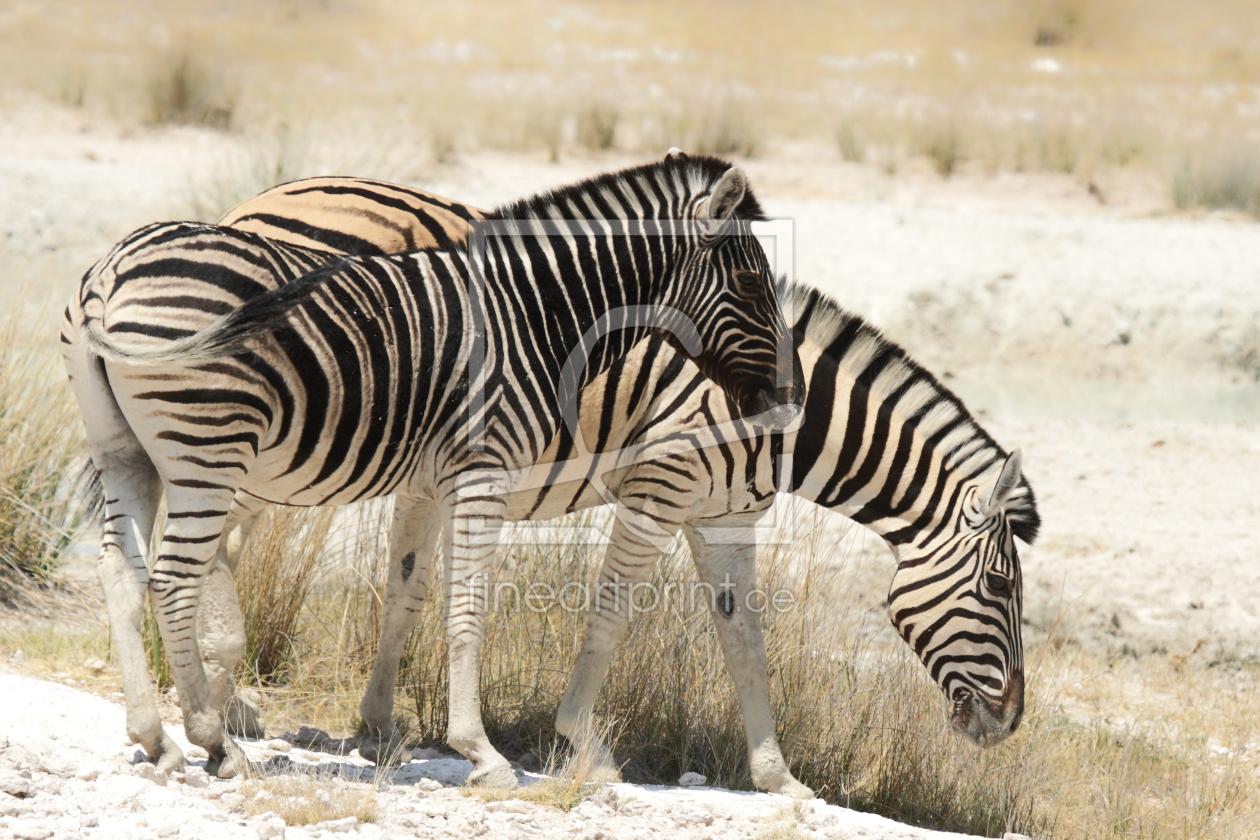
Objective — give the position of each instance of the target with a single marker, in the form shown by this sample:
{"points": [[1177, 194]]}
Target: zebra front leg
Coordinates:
{"points": [[220, 625], [194, 523], [642, 530], [473, 525], [731, 572], [412, 540]]}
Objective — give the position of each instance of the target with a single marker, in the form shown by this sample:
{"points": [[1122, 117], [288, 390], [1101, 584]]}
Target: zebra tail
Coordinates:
{"points": [[226, 337]]}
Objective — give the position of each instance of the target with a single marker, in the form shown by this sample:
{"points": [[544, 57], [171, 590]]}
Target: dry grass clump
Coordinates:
{"points": [[184, 90], [41, 448], [1227, 178], [310, 798], [287, 545]]}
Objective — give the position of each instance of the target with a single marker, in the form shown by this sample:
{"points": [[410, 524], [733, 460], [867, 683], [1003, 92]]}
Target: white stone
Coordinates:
{"points": [[96, 666], [196, 777], [338, 826], [31, 831], [16, 786], [692, 780], [151, 773], [279, 745], [232, 800], [508, 806], [196, 752], [428, 785], [271, 828], [167, 829], [690, 816], [1010, 835]]}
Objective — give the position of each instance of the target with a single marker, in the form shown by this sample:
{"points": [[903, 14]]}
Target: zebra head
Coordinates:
{"points": [[725, 287], [957, 601]]}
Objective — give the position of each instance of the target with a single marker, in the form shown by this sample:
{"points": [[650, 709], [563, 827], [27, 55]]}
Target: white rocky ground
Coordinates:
{"points": [[66, 771]]}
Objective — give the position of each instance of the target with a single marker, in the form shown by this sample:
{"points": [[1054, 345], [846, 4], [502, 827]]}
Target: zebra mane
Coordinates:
{"points": [[855, 344], [675, 175]]}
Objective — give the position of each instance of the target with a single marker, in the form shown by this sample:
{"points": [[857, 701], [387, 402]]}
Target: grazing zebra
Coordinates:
{"points": [[882, 442], [212, 364]]}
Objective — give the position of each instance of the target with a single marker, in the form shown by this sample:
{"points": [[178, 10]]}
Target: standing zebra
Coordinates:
{"points": [[882, 442], [211, 363]]}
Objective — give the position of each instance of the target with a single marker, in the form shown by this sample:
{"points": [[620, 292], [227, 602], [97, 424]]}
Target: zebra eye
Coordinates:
{"points": [[748, 281], [997, 584]]}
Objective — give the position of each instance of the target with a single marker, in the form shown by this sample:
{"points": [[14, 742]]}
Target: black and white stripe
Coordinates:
{"points": [[216, 364]]}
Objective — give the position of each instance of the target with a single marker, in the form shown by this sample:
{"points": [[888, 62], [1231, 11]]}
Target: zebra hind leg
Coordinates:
{"points": [[197, 510], [131, 500], [730, 570], [221, 627], [412, 541], [132, 491]]}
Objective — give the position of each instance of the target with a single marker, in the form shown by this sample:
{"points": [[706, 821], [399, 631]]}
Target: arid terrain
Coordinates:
{"points": [[1052, 205]]}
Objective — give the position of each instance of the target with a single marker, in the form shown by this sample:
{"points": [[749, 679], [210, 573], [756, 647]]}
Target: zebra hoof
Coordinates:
{"points": [[229, 765], [386, 751], [170, 758], [496, 775], [795, 789]]}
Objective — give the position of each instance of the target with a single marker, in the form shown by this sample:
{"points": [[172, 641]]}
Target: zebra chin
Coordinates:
{"points": [[986, 723]]}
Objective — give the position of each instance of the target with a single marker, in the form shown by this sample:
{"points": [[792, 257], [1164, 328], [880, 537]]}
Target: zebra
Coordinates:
{"points": [[882, 442], [211, 363]]}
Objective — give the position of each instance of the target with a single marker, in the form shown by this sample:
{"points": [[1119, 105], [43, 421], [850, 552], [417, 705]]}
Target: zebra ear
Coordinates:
{"points": [[727, 195], [674, 153], [1005, 484]]}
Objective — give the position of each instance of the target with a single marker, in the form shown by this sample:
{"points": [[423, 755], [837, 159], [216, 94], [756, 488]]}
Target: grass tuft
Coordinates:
{"points": [[310, 798], [41, 447], [1225, 179], [183, 90]]}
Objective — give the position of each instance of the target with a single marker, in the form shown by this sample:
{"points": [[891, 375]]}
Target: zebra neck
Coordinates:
{"points": [[883, 444]]}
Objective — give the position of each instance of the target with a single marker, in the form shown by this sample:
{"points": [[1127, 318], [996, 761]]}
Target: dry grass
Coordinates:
{"points": [[310, 798], [185, 91], [41, 447], [1109, 748]]}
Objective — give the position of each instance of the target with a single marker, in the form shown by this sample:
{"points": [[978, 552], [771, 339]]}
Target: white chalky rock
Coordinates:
{"points": [[338, 826], [96, 666], [150, 772], [167, 829], [16, 786], [428, 785], [196, 777], [279, 745], [232, 800], [1010, 835], [690, 816], [31, 831], [271, 827], [692, 780], [508, 806], [196, 752]]}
